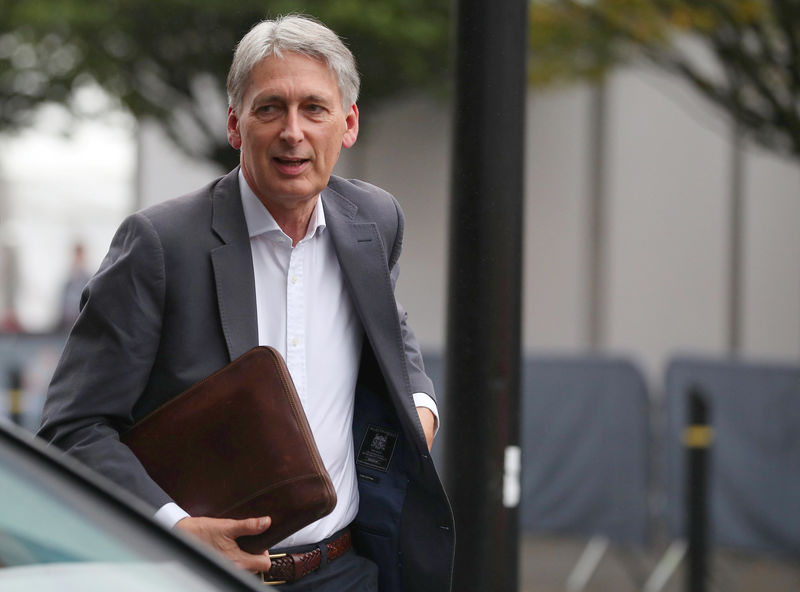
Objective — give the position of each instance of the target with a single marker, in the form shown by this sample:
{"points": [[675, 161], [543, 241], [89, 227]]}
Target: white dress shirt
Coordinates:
{"points": [[305, 312], [319, 336]]}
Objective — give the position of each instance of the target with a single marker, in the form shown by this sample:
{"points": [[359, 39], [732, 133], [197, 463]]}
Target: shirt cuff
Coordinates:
{"points": [[170, 514], [425, 400]]}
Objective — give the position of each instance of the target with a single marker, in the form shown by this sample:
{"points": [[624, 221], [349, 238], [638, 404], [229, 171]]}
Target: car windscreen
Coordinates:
{"points": [[57, 532]]}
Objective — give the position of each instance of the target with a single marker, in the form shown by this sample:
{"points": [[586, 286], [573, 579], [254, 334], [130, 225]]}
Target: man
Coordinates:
{"points": [[278, 252], [73, 288]]}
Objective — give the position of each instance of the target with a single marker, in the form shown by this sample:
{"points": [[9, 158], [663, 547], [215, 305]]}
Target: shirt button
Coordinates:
{"points": [[295, 341], [294, 279]]}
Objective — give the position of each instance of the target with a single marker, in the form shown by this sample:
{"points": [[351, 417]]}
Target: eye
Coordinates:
{"points": [[267, 111]]}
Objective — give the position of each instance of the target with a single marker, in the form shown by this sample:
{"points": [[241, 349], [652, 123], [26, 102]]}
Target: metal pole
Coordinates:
{"points": [[698, 441], [597, 215], [482, 459], [736, 228]]}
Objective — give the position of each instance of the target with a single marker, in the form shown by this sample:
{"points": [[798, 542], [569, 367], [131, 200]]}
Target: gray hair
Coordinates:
{"points": [[298, 34]]}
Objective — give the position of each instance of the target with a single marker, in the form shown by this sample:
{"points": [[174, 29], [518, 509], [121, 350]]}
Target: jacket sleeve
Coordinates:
{"points": [[419, 381], [107, 360]]}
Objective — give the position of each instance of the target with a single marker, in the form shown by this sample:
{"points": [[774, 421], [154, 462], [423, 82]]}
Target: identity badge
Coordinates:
{"points": [[377, 448]]}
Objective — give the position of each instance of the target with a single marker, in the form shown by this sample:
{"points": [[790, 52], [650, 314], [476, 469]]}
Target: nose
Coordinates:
{"points": [[292, 133]]}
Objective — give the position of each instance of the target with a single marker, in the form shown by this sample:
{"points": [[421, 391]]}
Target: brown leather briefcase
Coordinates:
{"points": [[238, 445]]}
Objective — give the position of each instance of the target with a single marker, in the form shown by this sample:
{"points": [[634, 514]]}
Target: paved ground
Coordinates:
{"points": [[545, 564]]}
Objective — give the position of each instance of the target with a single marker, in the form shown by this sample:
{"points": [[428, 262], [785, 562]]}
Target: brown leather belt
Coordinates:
{"points": [[290, 567]]}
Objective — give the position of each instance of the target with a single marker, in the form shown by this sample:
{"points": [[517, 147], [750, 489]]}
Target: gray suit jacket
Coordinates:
{"points": [[174, 300]]}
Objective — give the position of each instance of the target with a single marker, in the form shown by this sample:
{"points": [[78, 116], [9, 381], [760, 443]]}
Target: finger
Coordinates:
{"points": [[249, 526], [253, 563]]}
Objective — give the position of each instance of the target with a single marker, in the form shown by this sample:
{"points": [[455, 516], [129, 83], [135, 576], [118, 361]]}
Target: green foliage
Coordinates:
{"points": [[573, 39], [158, 57], [756, 43]]}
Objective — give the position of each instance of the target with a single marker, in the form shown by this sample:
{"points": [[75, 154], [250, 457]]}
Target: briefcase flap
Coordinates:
{"points": [[238, 445]]}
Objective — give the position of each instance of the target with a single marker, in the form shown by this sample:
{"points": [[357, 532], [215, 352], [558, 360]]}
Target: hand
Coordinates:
{"points": [[221, 534], [428, 421]]}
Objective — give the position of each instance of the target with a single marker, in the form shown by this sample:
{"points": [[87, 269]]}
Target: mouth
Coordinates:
{"points": [[289, 164]]}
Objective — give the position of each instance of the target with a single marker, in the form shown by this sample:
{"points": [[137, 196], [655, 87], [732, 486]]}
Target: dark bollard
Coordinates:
{"points": [[698, 438], [15, 394]]}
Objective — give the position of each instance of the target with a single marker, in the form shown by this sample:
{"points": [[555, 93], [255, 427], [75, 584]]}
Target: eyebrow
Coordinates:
{"points": [[317, 99], [280, 98]]}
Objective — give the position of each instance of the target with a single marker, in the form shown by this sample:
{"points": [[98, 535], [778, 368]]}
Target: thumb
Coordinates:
{"points": [[249, 526]]}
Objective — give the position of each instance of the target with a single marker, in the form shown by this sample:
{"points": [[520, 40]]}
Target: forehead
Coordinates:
{"points": [[292, 75]]}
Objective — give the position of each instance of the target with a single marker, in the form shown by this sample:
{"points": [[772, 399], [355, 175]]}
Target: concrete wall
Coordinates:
{"points": [[668, 189], [771, 320]]}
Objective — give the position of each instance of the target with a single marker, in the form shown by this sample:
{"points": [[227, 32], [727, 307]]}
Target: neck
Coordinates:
{"points": [[294, 222]]}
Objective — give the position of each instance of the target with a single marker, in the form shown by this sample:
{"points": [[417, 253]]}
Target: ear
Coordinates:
{"points": [[234, 137], [351, 133]]}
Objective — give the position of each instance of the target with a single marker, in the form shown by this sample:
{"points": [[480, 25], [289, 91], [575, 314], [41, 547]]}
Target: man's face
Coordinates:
{"points": [[290, 129]]}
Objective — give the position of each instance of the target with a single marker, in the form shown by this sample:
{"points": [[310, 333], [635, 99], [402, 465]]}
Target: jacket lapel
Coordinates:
{"points": [[233, 268], [363, 260]]}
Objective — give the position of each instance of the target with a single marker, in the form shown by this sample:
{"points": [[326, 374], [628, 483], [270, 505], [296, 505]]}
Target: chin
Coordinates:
{"points": [[293, 195], [299, 191]]}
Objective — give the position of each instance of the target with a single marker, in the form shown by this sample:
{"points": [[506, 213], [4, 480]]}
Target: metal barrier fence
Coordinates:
{"points": [[27, 362], [597, 448]]}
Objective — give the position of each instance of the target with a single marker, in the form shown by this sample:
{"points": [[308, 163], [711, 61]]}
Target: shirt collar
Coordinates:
{"points": [[260, 221]]}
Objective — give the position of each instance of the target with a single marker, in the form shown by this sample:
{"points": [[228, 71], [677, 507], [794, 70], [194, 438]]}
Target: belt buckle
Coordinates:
{"points": [[277, 582]]}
